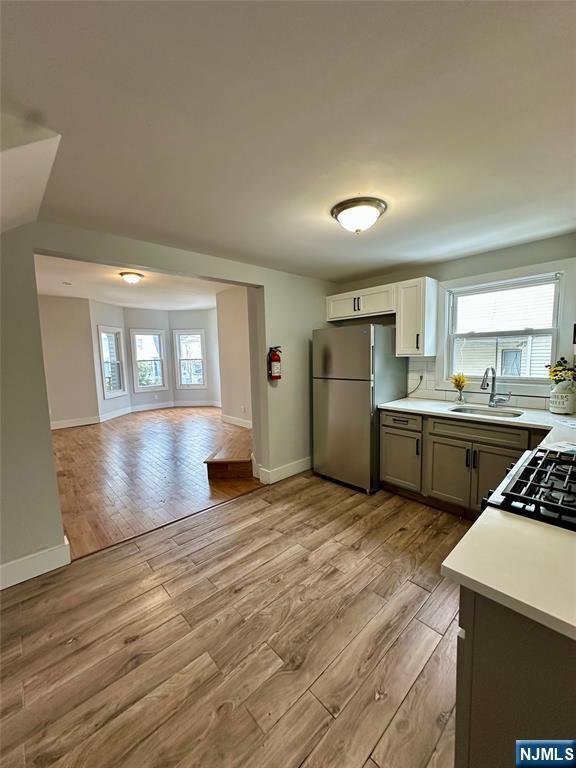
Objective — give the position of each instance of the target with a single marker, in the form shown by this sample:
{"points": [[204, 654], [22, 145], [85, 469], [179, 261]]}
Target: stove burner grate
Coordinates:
{"points": [[544, 488]]}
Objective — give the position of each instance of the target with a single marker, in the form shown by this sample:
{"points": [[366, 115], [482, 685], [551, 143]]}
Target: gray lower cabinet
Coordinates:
{"points": [[447, 470], [400, 458], [489, 465], [456, 462], [513, 681]]}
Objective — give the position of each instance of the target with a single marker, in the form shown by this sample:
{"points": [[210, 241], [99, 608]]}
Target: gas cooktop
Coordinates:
{"points": [[542, 486]]}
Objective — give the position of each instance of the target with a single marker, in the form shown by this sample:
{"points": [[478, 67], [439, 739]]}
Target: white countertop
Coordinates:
{"points": [[524, 564]]}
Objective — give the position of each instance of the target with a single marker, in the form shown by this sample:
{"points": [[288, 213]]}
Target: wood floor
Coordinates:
{"points": [[135, 473], [301, 625]]}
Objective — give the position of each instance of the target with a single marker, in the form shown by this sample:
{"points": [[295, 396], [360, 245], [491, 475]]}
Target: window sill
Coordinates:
{"points": [[112, 395], [540, 389], [191, 386], [143, 390]]}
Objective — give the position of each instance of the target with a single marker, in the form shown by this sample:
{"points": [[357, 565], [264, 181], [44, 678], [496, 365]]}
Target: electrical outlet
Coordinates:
{"points": [[243, 409], [156, 396]]}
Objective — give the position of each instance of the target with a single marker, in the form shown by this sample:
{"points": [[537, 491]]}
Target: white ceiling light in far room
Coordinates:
{"points": [[131, 277], [359, 213]]}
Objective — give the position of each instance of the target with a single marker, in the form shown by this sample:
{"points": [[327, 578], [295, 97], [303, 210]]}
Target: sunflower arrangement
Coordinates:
{"points": [[561, 371], [459, 381]]}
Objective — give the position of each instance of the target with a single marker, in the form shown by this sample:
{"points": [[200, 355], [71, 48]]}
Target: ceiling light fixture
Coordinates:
{"points": [[131, 277], [359, 213]]}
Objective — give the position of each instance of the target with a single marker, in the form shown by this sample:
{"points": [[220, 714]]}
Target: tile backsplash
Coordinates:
{"points": [[427, 390]]}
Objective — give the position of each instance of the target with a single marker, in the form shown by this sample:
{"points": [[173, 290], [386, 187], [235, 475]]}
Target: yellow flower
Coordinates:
{"points": [[459, 381]]}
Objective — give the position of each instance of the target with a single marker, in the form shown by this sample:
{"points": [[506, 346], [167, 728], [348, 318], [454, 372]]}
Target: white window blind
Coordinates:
{"points": [[509, 326]]}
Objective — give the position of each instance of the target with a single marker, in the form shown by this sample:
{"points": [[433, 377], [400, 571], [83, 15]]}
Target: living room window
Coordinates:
{"points": [[112, 361], [190, 359], [510, 326], [148, 360]]}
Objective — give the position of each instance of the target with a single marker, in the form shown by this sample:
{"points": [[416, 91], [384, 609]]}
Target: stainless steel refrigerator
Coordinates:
{"points": [[354, 368]]}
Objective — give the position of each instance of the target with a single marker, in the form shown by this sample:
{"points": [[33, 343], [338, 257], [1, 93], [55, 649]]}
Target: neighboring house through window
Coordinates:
{"points": [[510, 326], [148, 360], [112, 361], [190, 359]]}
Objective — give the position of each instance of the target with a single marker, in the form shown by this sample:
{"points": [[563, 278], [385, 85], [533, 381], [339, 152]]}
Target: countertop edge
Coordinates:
{"points": [[505, 599]]}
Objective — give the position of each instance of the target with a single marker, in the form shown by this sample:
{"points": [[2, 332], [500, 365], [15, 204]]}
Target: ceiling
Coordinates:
{"points": [[103, 283], [233, 127]]}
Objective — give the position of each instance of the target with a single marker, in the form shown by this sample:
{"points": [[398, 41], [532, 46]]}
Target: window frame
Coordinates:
{"points": [[151, 332], [518, 385], [175, 334], [119, 333]]}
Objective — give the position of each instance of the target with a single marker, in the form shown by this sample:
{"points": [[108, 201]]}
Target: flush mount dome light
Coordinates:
{"points": [[131, 277], [359, 213]]}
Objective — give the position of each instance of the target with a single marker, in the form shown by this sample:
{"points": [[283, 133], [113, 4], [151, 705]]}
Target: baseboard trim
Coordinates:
{"points": [[192, 403], [115, 414], [133, 409], [236, 421], [270, 476], [150, 407], [75, 422], [29, 566]]}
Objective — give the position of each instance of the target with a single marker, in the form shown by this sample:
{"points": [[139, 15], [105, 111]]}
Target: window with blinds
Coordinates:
{"points": [[148, 354], [510, 326], [189, 356], [112, 361]]}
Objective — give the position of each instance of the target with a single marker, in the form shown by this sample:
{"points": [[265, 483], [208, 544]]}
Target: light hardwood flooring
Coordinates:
{"points": [[138, 472], [304, 625]]}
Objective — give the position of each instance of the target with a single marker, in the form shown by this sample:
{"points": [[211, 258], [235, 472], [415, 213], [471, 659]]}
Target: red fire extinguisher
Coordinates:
{"points": [[274, 364]]}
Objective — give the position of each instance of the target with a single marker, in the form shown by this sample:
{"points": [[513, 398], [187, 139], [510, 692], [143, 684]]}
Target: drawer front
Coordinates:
{"points": [[401, 420], [488, 434]]}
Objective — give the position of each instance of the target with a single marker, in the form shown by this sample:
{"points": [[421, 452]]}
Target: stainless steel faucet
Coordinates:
{"points": [[496, 398]]}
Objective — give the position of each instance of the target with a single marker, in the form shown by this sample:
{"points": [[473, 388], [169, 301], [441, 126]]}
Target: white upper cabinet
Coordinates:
{"points": [[378, 301], [416, 317], [342, 305], [413, 301], [368, 301]]}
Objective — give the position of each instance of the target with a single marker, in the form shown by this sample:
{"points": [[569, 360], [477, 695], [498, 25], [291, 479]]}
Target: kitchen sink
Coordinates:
{"points": [[479, 410]]}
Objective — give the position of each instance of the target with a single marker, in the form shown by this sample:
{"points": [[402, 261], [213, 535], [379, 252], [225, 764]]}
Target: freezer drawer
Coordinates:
{"points": [[343, 431]]}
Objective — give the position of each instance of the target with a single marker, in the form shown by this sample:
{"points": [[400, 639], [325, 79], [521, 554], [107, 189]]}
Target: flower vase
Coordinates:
{"points": [[460, 396], [563, 398]]}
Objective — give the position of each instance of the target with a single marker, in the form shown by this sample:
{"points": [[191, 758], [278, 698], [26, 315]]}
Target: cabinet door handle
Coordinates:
{"points": [[417, 341], [475, 459], [354, 300], [467, 457], [359, 303], [400, 421], [417, 446]]}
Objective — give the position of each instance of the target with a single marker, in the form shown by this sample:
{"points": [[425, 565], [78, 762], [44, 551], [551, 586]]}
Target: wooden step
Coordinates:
{"points": [[233, 459]]}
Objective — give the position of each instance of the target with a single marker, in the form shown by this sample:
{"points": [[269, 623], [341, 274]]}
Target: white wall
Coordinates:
{"points": [[70, 338], [285, 308], [234, 349], [68, 360], [193, 319], [31, 523], [292, 306], [108, 314]]}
